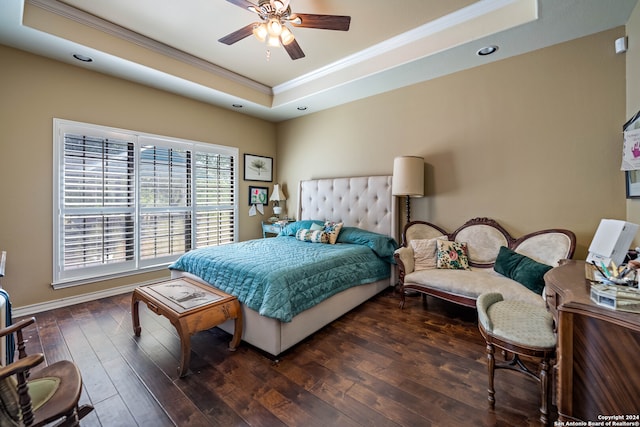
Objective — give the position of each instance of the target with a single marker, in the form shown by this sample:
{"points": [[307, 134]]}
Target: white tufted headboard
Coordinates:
{"points": [[365, 202]]}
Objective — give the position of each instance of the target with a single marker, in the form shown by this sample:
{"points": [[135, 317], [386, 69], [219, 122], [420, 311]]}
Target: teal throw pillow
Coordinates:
{"points": [[384, 246], [521, 268], [292, 228]]}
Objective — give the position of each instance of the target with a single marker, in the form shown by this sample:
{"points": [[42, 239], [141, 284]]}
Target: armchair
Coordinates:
{"points": [[50, 394]]}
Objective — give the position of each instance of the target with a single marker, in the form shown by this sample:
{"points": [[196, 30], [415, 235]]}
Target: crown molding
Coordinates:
{"points": [[429, 29], [92, 21]]}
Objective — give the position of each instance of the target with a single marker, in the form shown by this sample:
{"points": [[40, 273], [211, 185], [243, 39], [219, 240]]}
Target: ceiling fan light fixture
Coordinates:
{"points": [[260, 32], [286, 37], [274, 27], [273, 41]]}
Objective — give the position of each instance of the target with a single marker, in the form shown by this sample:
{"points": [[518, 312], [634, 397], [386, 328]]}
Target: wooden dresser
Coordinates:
{"points": [[598, 366]]}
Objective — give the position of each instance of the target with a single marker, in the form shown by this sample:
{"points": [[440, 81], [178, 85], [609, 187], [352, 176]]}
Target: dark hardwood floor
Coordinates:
{"points": [[376, 366]]}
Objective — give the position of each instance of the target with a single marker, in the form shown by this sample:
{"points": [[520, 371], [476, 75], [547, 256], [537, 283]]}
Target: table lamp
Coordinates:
{"points": [[277, 196]]}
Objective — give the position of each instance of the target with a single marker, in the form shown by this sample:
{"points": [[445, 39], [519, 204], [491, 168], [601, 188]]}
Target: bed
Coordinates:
{"points": [[362, 204]]}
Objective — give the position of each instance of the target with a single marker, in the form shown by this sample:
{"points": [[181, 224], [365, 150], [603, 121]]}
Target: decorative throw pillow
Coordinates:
{"points": [[292, 228], [522, 269], [315, 227], [384, 246], [313, 236], [452, 255], [332, 229], [424, 252]]}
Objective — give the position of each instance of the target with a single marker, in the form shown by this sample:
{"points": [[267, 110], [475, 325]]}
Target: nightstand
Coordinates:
{"points": [[273, 228]]}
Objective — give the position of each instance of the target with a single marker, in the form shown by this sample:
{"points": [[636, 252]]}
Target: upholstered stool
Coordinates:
{"points": [[520, 330]]}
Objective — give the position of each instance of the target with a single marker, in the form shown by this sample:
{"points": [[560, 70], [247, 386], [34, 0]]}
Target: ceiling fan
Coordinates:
{"points": [[272, 29]]}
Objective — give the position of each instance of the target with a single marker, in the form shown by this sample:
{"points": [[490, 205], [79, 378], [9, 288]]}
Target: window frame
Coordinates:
{"points": [[63, 279]]}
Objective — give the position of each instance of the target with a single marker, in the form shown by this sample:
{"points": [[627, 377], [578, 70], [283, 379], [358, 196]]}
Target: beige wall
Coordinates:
{"points": [[633, 94], [34, 90], [533, 141]]}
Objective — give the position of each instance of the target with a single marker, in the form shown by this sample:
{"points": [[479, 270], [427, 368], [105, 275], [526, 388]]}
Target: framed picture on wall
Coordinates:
{"points": [[633, 184], [258, 168], [258, 195]]}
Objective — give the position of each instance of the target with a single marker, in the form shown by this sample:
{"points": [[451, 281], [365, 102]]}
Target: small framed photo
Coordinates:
{"points": [[633, 184], [258, 168], [258, 195]]}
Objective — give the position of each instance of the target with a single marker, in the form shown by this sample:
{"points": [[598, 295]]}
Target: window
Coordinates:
{"points": [[125, 201]]}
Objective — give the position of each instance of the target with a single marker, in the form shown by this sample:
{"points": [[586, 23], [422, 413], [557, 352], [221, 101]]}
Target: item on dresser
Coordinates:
{"points": [[621, 298], [610, 243], [497, 261], [611, 275], [367, 211], [597, 350]]}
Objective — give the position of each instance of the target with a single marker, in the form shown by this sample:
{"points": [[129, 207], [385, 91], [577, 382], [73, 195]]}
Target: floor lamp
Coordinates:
{"points": [[408, 179]]}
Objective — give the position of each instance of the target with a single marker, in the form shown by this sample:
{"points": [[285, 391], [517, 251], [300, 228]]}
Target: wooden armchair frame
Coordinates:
{"points": [[63, 403]]}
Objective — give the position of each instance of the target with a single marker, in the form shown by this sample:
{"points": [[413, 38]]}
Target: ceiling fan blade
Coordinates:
{"points": [[323, 22], [294, 50], [243, 4], [238, 35]]}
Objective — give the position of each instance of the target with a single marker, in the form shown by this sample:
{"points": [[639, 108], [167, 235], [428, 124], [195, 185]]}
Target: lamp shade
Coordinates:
{"points": [[408, 176], [277, 194]]}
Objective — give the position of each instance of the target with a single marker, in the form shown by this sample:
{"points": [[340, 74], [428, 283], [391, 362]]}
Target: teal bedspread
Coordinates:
{"points": [[281, 277]]}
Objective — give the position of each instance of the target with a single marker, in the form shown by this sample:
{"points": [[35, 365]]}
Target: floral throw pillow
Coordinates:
{"points": [[452, 255], [332, 229]]}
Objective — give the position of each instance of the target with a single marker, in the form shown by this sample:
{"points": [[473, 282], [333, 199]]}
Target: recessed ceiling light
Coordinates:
{"points": [[302, 108], [236, 105], [82, 58], [487, 50]]}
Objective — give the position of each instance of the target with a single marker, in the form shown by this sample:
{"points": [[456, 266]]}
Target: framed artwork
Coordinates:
{"points": [[258, 195], [258, 168], [633, 184]]}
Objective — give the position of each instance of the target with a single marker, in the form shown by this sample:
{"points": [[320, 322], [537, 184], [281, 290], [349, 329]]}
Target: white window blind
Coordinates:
{"points": [[125, 201]]}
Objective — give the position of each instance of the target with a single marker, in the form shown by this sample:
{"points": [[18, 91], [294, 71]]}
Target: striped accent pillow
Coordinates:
{"points": [[313, 236]]}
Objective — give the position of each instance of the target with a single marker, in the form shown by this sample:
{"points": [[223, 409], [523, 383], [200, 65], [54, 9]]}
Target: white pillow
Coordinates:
{"points": [[425, 252]]}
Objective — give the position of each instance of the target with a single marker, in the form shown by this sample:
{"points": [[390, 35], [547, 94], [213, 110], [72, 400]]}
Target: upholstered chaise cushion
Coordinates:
{"points": [[473, 282], [522, 269], [520, 323]]}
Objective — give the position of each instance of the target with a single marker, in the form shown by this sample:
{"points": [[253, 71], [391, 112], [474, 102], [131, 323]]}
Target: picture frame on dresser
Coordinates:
{"points": [[258, 168], [632, 179]]}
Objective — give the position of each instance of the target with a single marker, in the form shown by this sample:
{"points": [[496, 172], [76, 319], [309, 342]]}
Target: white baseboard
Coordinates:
{"points": [[28, 310]]}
